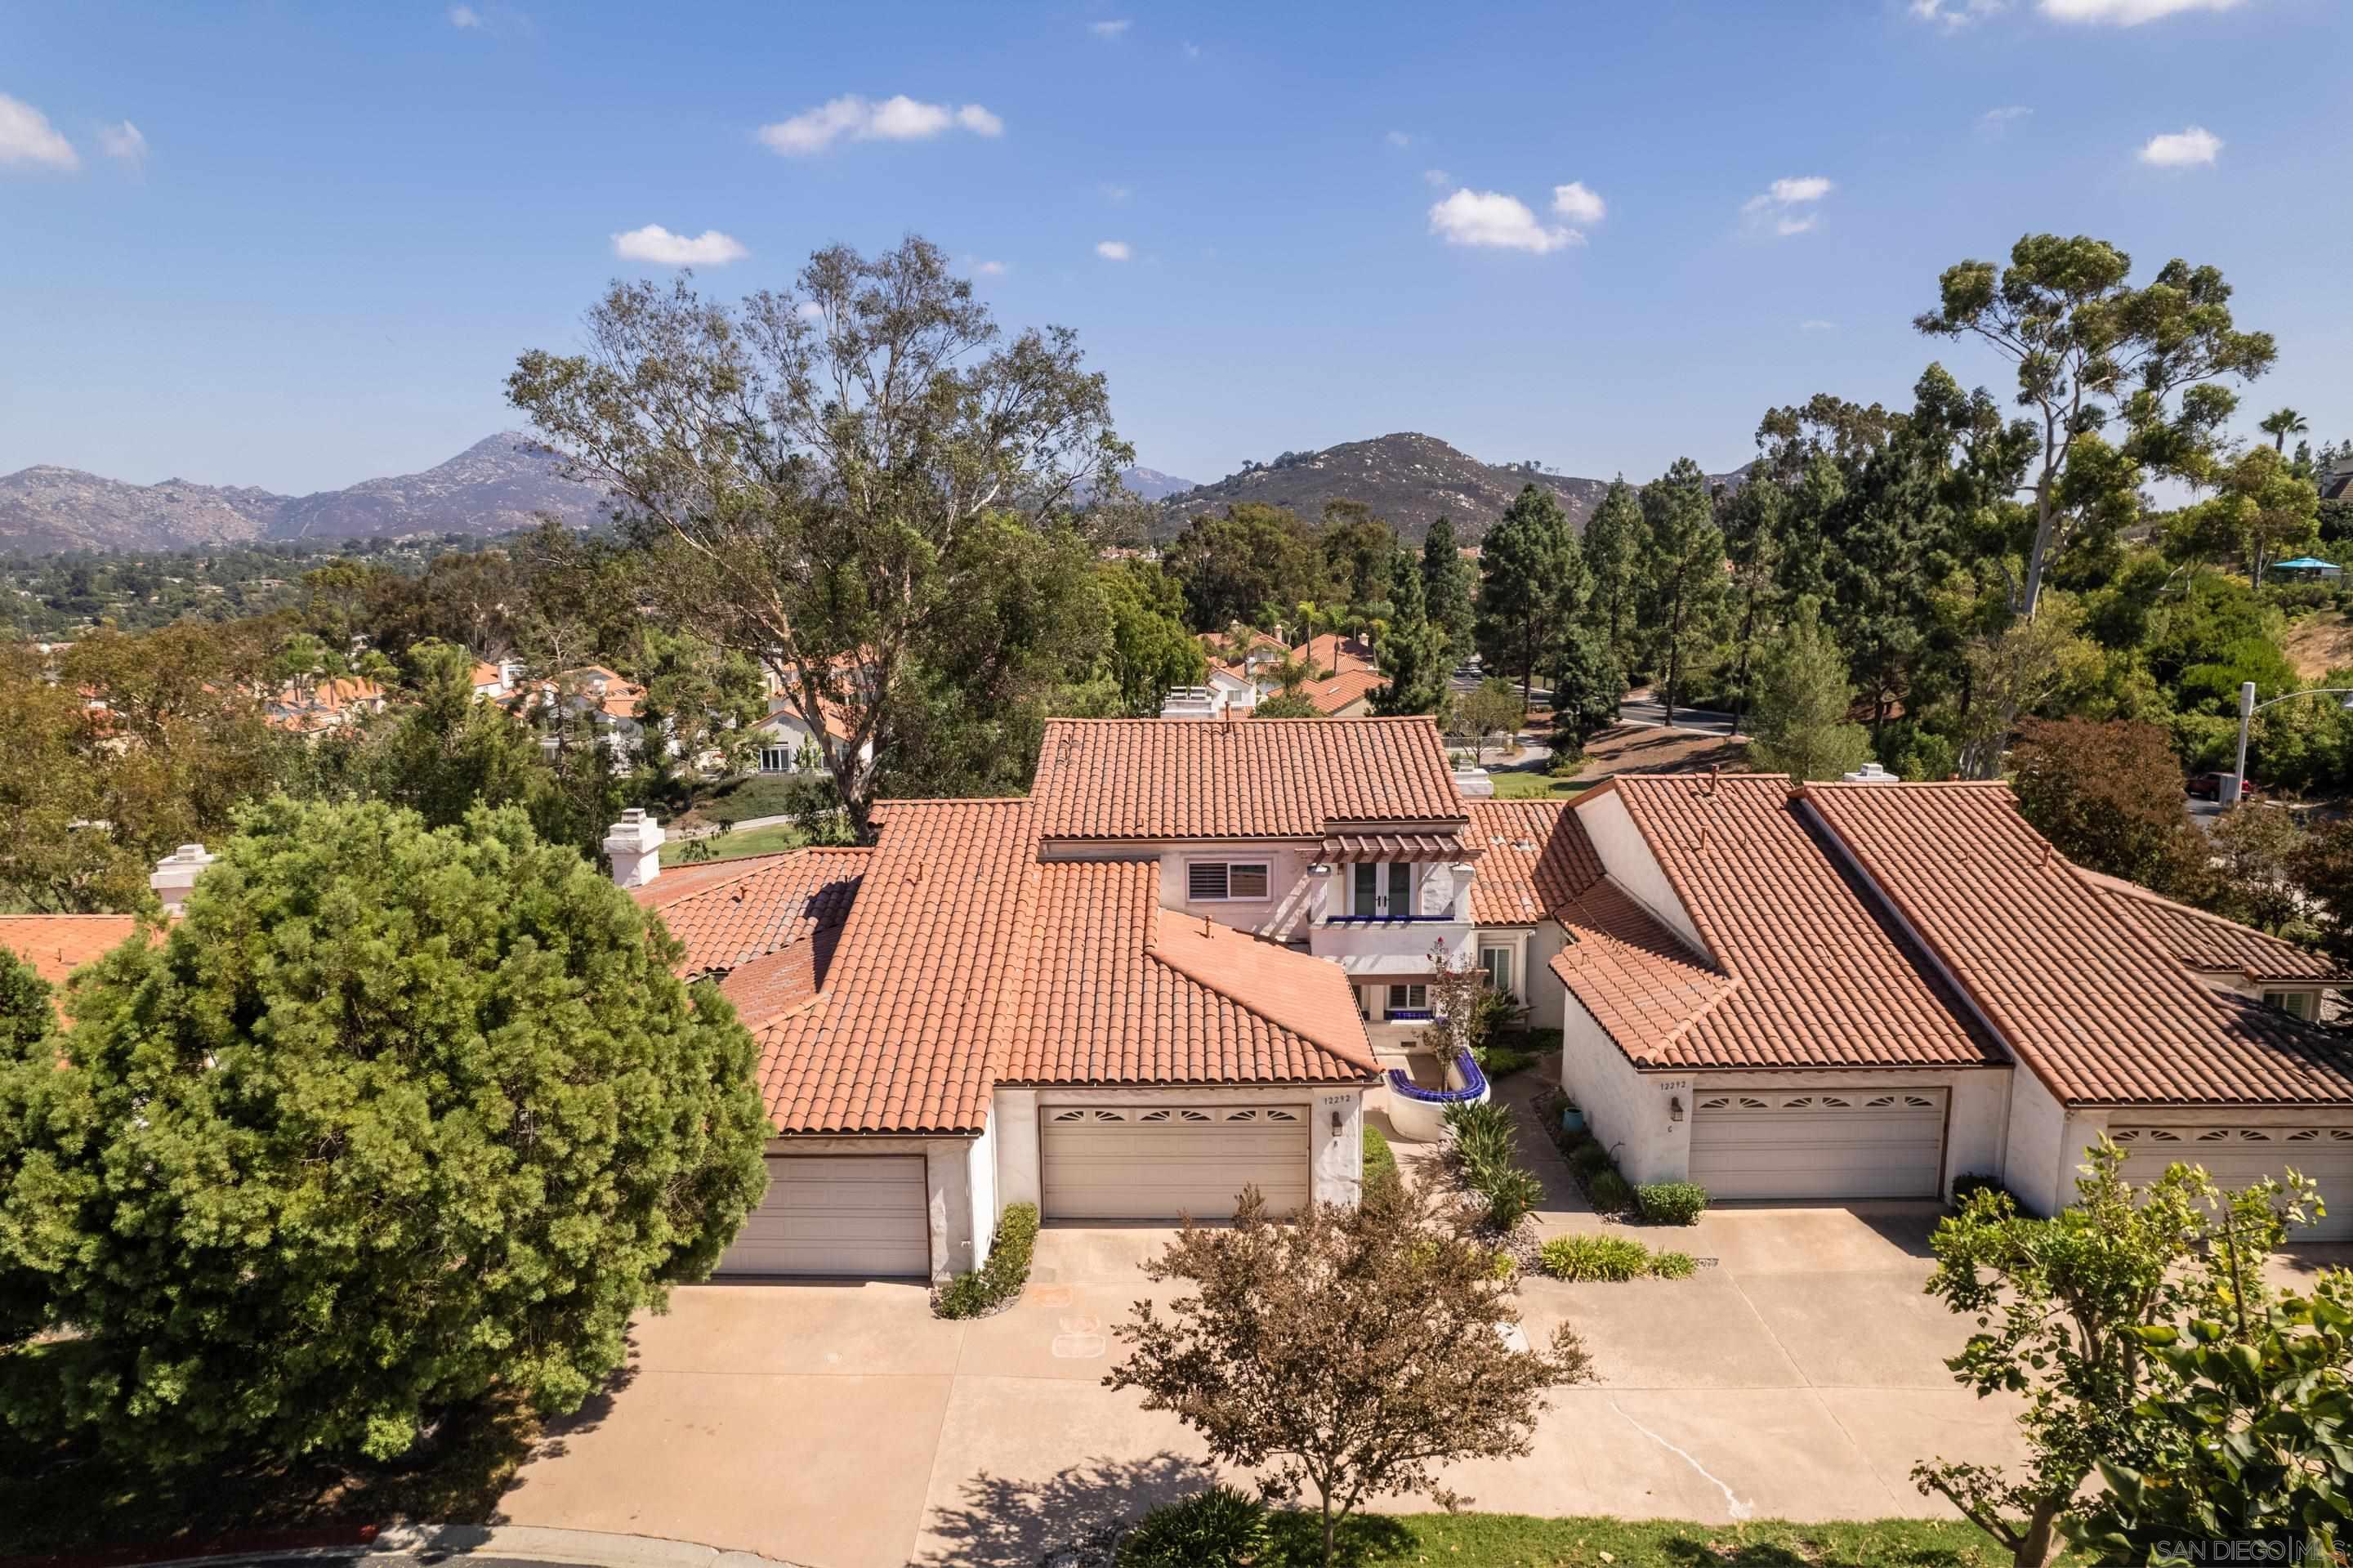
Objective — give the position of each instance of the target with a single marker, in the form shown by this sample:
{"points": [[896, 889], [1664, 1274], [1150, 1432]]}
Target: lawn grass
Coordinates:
{"points": [[735, 799], [1517, 1540], [1519, 785], [736, 846]]}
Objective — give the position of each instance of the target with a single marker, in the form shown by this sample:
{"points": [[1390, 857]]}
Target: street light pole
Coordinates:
{"points": [[2231, 792]]}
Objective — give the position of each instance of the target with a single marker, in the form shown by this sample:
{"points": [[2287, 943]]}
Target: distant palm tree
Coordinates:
{"points": [[2281, 426]]}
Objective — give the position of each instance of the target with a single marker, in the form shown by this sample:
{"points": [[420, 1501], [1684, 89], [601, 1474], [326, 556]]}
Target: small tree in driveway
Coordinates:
{"points": [[1353, 1352], [2061, 1306]]}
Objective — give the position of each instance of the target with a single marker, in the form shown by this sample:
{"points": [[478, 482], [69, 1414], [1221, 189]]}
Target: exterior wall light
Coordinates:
{"points": [[1675, 1107]]}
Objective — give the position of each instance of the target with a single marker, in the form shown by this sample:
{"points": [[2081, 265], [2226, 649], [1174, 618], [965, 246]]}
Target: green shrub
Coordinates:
{"points": [[1380, 1162], [1670, 1202], [1673, 1264], [1511, 1196], [1219, 1528], [999, 1279], [1501, 1061], [1589, 1157], [1594, 1257], [1608, 1191], [1969, 1185]]}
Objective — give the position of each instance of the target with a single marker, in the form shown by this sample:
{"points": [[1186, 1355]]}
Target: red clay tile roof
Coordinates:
{"points": [[1642, 985], [1532, 856], [57, 945], [1826, 979], [1206, 779], [731, 912], [2084, 991], [1117, 990], [1330, 651], [1344, 690], [2209, 942]]}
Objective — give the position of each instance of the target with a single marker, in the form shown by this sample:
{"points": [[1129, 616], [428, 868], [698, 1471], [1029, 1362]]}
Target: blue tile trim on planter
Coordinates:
{"points": [[1474, 1084]]}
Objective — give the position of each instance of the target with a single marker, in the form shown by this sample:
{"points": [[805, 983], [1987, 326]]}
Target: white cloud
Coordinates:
{"points": [[1954, 15], [1577, 204], [1492, 219], [990, 268], [1109, 30], [1437, 178], [464, 16], [1787, 204], [810, 311], [2126, 13], [28, 137], [850, 117], [1817, 324], [2183, 149], [1994, 121], [655, 244], [1114, 249], [1112, 193], [1400, 139], [125, 142]]}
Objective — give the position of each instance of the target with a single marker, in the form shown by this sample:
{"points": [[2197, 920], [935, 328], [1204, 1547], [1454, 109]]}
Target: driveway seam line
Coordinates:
{"points": [[939, 1440], [1869, 1467]]}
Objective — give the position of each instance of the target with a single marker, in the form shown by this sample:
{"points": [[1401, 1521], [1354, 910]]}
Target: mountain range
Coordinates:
{"points": [[492, 487], [507, 482]]}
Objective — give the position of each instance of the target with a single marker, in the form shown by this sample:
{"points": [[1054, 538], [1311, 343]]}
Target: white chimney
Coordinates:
{"points": [[634, 847], [176, 873], [1869, 773], [1190, 702]]}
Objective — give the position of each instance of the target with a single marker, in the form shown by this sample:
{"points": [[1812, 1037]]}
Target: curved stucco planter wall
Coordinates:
{"points": [[1419, 1113]]}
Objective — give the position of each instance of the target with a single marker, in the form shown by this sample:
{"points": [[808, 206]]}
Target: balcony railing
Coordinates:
{"points": [[1448, 917]]}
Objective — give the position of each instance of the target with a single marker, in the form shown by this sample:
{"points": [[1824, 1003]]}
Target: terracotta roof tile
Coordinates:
{"points": [[730, 912], [1642, 985], [1533, 855], [1330, 651], [2084, 991], [1206, 779], [57, 945], [1825, 976], [1117, 990], [2212, 944], [1344, 690]]}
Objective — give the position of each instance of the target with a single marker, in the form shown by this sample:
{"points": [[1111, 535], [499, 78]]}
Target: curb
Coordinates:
{"points": [[527, 1543]]}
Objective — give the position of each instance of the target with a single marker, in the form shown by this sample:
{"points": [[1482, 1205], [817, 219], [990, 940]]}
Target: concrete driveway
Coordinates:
{"points": [[1796, 1376]]}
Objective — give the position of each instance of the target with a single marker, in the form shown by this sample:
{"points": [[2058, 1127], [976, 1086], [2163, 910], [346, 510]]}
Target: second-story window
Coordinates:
{"points": [[1382, 891], [1224, 881]]}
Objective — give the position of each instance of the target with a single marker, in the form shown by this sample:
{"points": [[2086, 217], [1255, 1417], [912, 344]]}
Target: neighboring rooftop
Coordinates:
{"points": [[1244, 779], [2083, 990], [2213, 944], [1533, 855], [57, 945]]}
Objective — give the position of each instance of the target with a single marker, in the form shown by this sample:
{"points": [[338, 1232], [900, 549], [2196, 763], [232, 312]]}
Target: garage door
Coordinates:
{"points": [[851, 1213], [2236, 1156], [1145, 1162], [1834, 1143]]}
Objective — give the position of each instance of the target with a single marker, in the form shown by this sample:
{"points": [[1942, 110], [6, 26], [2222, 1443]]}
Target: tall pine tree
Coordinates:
{"points": [[1614, 537], [1532, 583], [1684, 581], [1413, 654], [1447, 581]]}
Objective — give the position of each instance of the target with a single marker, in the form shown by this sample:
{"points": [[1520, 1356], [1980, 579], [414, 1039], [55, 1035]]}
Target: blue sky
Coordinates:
{"points": [[336, 225]]}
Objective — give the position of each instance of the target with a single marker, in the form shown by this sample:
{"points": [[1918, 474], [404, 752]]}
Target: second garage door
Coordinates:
{"points": [[2236, 1155], [1825, 1144], [845, 1214], [1146, 1162]]}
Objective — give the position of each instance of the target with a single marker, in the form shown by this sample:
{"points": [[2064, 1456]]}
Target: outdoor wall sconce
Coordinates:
{"points": [[1338, 1122], [1675, 1107]]}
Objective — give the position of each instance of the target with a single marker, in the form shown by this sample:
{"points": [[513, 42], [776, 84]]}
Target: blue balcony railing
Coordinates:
{"points": [[1408, 1015], [1474, 1085]]}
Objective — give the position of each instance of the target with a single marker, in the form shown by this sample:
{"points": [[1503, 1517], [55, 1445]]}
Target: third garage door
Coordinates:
{"points": [[1825, 1144], [2236, 1155], [840, 1214], [1148, 1162]]}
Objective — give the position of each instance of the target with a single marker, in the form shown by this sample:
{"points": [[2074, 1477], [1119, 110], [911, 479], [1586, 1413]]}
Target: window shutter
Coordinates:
{"points": [[1208, 879], [1246, 881]]}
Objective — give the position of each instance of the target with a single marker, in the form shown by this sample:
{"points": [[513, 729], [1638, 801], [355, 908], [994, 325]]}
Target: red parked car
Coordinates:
{"points": [[2209, 787]]}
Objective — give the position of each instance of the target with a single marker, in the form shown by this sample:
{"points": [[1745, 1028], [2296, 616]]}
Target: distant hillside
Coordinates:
{"points": [[1410, 479], [1151, 485], [494, 487]]}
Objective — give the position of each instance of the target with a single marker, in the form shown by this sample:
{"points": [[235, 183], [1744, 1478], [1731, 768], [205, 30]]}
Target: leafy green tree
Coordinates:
{"points": [[1286, 704], [1683, 584], [1481, 715], [2323, 867], [700, 705], [1532, 583], [2262, 1414], [1448, 584], [1414, 654], [1242, 565], [442, 751], [2092, 351], [1615, 539], [1356, 547], [880, 436], [26, 1019], [2109, 795], [2254, 849], [1151, 652], [2064, 1305], [391, 1119], [1801, 724], [1588, 684], [2272, 511], [1349, 1353]]}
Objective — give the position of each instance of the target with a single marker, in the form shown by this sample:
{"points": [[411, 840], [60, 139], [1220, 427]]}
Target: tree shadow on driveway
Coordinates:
{"points": [[1083, 1511]]}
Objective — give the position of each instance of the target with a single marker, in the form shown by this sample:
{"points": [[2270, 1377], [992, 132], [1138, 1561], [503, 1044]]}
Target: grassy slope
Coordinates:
{"points": [[1514, 1540], [736, 846]]}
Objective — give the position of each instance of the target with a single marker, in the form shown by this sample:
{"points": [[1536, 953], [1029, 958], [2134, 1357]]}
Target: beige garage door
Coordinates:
{"points": [[1146, 1162], [2236, 1156], [1825, 1143], [846, 1213]]}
